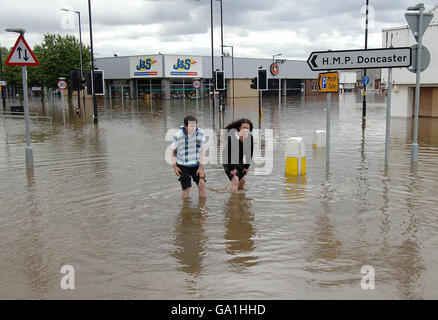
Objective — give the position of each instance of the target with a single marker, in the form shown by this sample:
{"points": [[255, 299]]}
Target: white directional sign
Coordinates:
{"points": [[21, 54], [3, 83], [360, 59]]}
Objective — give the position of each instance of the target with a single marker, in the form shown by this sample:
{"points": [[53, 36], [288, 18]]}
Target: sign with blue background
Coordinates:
{"points": [[366, 80]]}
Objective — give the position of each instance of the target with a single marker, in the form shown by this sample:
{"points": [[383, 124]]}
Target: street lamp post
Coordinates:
{"points": [[95, 115], [232, 69], [222, 55], [80, 53]]}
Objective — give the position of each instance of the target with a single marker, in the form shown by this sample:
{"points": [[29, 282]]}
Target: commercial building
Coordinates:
{"points": [[404, 81], [170, 76]]}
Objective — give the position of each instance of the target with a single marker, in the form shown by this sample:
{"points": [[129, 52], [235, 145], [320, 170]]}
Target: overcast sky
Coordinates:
{"points": [[256, 28]]}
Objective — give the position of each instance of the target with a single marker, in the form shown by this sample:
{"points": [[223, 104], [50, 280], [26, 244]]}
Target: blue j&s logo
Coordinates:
{"points": [[184, 64], [145, 64]]}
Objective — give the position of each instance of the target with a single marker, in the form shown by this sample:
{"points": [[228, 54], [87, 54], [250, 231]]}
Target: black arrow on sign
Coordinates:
{"points": [[313, 61], [19, 52], [25, 55]]}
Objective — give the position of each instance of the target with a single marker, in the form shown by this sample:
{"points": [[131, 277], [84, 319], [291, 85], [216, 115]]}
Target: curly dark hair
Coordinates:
{"points": [[237, 124]]}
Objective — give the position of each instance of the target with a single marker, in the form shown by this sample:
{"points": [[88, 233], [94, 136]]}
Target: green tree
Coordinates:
{"points": [[57, 56]]}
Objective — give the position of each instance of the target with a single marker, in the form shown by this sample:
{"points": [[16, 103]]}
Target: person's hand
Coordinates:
{"points": [[177, 170], [245, 171], [200, 173], [234, 172]]}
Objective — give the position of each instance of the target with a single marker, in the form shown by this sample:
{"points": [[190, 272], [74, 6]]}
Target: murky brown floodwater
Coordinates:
{"points": [[103, 199]]}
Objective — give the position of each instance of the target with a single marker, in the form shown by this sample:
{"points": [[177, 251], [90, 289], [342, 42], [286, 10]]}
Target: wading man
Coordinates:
{"points": [[188, 147]]}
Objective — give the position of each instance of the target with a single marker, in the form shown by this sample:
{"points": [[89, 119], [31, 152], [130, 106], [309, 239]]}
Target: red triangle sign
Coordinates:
{"points": [[21, 54]]}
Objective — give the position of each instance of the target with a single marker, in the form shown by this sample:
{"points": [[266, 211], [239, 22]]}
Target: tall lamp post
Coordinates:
{"points": [[222, 55], [80, 50], [95, 115], [232, 69]]}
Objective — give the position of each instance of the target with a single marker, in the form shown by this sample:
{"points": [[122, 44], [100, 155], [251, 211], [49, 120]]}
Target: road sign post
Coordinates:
{"points": [[418, 22], [328, 82], [22, 55], [388, 119]]}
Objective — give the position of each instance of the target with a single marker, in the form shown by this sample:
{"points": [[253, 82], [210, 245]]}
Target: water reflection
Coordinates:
{"points": [[239, 232], [190, 240], [325, 245], [295, 188], [32, 245]]}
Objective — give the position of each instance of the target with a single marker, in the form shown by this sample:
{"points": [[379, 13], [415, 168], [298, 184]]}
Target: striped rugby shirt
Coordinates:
{"points": [[188, 150]]}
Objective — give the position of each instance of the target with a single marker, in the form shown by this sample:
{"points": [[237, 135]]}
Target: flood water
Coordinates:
{"points": [[102, 199]]}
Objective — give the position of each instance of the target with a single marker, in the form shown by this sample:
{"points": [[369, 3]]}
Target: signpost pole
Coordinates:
{"points": [[1, 76], [414, 149], [327, 136], [364, 102], [388, 118], [29, 153]]}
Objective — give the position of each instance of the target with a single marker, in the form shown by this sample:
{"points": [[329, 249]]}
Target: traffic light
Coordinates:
{"points": [[98, 83], [253, 83], [262, 83], [76, 81], [220, 81]]}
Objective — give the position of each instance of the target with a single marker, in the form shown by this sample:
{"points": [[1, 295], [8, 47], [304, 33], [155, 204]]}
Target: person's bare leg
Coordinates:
{"points": [[185, 193], [234, 184], [202, 188], [241, 183]]}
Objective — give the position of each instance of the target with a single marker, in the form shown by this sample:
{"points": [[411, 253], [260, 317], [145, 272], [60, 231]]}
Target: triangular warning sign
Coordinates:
{"points": [[21, 54], [413, 18]]}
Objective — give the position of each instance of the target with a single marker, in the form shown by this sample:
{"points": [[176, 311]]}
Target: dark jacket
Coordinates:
{"points": [[233, 157]]}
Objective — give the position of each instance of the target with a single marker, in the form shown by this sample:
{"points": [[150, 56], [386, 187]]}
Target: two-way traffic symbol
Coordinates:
{"points": [[21, 54]]}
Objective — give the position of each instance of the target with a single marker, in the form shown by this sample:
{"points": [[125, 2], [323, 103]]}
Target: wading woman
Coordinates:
{"points": [[238, 152]]}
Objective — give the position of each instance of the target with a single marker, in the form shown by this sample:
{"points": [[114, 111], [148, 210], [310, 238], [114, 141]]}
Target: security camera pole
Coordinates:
{"points": [[22, 55]]}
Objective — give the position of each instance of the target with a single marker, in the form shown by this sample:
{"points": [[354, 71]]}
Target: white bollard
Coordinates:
{"points": [[295, 153], [318, 139]]}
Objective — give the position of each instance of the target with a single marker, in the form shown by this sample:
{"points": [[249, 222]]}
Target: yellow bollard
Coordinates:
{"points": [[318, 139], [295, 153]]}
